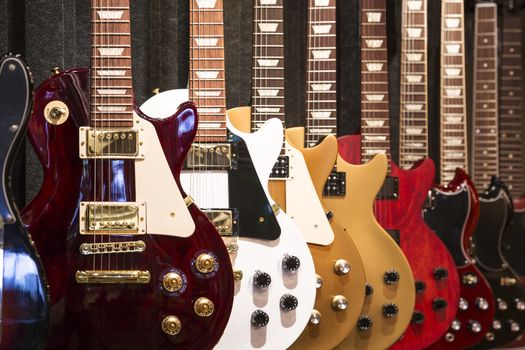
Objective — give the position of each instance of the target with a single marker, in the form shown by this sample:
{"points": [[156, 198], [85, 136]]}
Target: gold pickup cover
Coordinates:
{"points": [[113, 276], [112, 218], [222, 220], [216, 156], [109, 144]]}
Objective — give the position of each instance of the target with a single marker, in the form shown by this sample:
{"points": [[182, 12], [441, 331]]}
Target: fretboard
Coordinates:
{"points": [[321, 71], [375, 127], [511, 142], [207, 86], [453, 148], [413, 124], [111, 84], [485, 96], [268, 62]]}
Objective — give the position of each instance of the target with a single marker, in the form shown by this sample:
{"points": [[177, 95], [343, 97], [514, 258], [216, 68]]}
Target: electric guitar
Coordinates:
{"points": [[495, 202], [131, 261], [24, 298], [275, 285], [351, 191], [340, 281], [398, 208], [452, 210]]}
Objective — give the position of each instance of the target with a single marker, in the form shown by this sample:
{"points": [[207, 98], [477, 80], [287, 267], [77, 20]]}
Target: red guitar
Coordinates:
{"points": [[131, 262]]}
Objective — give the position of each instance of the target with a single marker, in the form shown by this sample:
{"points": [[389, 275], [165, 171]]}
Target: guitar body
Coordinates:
{"points": [[333, 325], [509, 292], [121, 315], [354, 211], [24, 299], [436, 301], [513, 247], [453, 214]]}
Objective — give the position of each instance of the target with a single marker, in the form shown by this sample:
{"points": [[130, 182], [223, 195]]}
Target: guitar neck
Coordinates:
{"points": [[321, 101], [111, 75], [510, 143], [375, 127], [268, 62], [453, 149], [207, 85], [413, 128], [485, 99]]}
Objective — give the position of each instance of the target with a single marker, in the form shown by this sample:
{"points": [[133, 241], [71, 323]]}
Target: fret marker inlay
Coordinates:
{"points": [[375, 97], [207, 74], [414, 32], [322, 29], [110, 51], [373, 17], [321, 54], [203, 42], [414, 56], [267, 63], [414, 78], [374, 44], [321, 3], [414, 5], [268, 27], [453, 48], [110, 72], [110, 14], [453, 72], [268, 92], [206, 4], [321, 87], [321, 115], [413, 107], [374, 67], [111, 91], [452, 22]]}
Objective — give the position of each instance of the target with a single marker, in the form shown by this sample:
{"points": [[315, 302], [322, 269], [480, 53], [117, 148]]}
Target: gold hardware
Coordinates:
{"points": [[55, 70], [156, 91], [113, 276], [112, 248], [276, 208], [113, 218], [107, 144], [203, 307], [232, 247], [341, 267], [222, 220], [261, 219], [339, 303], [188, 201], [56, 112], [508, 281], [237, 275], [205, 263], [469, 279], [209, 156], [171, 325], [172, 282]]}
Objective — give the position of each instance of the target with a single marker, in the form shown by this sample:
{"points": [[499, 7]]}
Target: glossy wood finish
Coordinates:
{"points": [[117, 316], [453, 215], [334, 325], [24, 299]]}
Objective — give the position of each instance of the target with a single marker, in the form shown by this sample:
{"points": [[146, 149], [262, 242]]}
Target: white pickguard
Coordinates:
{"points": [[259, 255]]}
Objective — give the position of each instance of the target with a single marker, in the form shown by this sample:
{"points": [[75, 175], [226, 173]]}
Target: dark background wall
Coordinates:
{"points": [[54, 33]]}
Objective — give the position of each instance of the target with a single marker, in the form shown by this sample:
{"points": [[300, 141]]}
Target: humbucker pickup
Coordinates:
{"points": [[109, 144], [113, 218], [212, 156], [226, 221], [281, 169], [336, 184], [390, 189], [112, 247], [113, 276]]}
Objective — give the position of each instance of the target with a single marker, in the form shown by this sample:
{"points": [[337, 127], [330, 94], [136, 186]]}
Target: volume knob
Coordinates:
{"points": [[261, 279], [206, 263], [171, 325], [390, 310], [288, 302], [203, 307], [339, 303], [364, 323], [291, 263], [341, 267], [440, 273], [391, 277], [418, 317], [420, 286], [172, 282], [439, 304], [260, 319]]}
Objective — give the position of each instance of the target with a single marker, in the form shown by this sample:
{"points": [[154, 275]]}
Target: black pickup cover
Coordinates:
{"points": [[281, 169], [390, 189], [336, 184]]}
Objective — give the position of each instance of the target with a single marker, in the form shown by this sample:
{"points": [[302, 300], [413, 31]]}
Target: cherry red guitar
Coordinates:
{"points": [[131, 262]]}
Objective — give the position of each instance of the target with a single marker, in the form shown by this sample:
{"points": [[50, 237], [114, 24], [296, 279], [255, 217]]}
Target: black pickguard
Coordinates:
{"points": [[446, 216], [256, 216], [495, 215], [513, 246]]}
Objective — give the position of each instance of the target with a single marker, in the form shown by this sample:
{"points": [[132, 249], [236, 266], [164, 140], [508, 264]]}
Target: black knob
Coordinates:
{"points": [[364, 323], [420, 286], [440, 273], [390, 310], [261, 279], [291, 263], [369, 289], [439, 304], [418, 317], [260, 319], [288, 302], [391, 277]]}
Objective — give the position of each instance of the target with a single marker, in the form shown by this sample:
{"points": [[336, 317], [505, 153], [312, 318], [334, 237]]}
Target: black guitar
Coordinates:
{"points": [[24, 308]]}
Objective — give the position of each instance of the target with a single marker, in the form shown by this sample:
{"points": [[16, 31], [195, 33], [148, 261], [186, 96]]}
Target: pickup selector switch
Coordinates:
{"points": [[439, 304], [474, 326], [482, 303], [420, 286], [260, 319], [418, 317], [261, 279], [391, 277], [288, 302], [440, 273], [390, 310], [291, 263], [364, 323], [341, 267]]}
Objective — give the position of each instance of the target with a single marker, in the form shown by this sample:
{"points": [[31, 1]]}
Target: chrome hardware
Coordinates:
{"points": [[341, 267], [482, 303], [113, 218], [463, 304], [469, 279], [315, 317], [112, 276], [514, 326], [474, 326], [496, 324], [13, 128], [112, 248], [490, 336], [260, 319], [339, 303], [237, 275], [203, 307], [519, 304], [223, 220], [172, 282], [449, 337], [213, 156], [456, 325], [206, 263], [56, 112], [364, 323], [501, 304], [318, 281], [109, 144], [507, 281], [171, 325]]}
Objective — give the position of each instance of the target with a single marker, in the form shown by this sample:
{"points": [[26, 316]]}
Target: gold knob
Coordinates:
{"points": [[55, 70], [206, 263], [237, 275], [203, 307], [341, 267], [339, 303], [156, 91], [172, 282], [57, 112], [171, 325]]}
